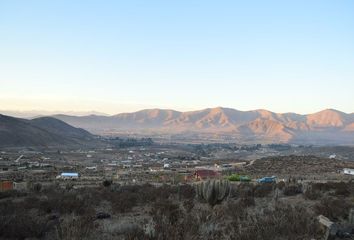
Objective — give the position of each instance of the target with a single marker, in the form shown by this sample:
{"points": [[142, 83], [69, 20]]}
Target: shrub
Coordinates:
{"points": [[37, 187], [124, 202], [186, 191], [315, 190], [167, 209], [236, 209], [188, 204], [75, 228], [107, 183], [166, 216], [283, 222], [244, 190], [7, 207], [248, 201], [237, 178], [234, 178], [135, 233], [69, 186], [22, 225], [30, 202], [11, 194], [124, 198], [333, 208], [281, 185], [292, 190], [67, 203], [263, 190], [312, 194], [341, 189], [165, 191]]}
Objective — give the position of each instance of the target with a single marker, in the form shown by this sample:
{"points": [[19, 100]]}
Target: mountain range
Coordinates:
{"points": [[29, 114], [329, 126], [43, 131]]}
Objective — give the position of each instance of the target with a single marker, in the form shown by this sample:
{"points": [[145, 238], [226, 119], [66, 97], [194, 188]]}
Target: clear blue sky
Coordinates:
{"points": [[115, 56]]}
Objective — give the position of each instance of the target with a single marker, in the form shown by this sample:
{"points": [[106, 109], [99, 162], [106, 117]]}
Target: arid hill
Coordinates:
{"points": [[46, 131]]}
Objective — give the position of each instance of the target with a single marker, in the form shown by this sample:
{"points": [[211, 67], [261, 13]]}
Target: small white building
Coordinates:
{"points": [[348, 171], [66, 175], [20, 186], [332, 156], [93, 168]]}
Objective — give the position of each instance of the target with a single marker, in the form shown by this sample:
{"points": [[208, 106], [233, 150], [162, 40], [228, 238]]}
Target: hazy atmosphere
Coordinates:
{"points": [[123, 56]]}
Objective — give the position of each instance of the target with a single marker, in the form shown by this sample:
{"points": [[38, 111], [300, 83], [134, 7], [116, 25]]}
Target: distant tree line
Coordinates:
{"points": [[280, 147], [205, 149], [131, 142]]}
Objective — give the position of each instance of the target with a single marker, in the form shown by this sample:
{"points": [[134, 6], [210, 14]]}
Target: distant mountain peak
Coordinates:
{"points": [[327, 118]]}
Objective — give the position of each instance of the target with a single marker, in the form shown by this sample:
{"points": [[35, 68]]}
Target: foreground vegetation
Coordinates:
{"points": [[248, 211]]}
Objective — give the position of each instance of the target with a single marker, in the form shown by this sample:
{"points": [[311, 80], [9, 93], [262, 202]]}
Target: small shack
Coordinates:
{"points": [[348, 171], [5, 185], [204, 174], [67, 175], [20, 186]]}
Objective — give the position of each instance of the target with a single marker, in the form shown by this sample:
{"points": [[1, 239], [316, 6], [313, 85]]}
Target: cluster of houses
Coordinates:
{"points": [[128, 169]]}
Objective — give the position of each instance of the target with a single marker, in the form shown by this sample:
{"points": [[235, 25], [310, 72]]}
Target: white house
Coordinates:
{"points": [[66, 175], [349, 171], [92, 168], [21, 186]]}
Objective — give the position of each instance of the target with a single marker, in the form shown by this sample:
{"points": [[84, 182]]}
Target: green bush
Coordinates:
{"points": [[234, 178], [238, 178]]}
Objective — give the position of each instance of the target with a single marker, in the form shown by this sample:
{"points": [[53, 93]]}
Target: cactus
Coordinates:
{"points": [[213, 191], [351, 216], [37, 187]]}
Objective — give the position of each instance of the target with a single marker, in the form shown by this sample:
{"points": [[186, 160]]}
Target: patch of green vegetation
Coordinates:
{"points": [[238, 178]]}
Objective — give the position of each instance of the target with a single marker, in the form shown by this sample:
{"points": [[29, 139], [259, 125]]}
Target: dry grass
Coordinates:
{"points": [[173, 212]]}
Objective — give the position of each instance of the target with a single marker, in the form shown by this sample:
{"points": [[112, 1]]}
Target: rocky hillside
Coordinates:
{"points": [[46, 131]]}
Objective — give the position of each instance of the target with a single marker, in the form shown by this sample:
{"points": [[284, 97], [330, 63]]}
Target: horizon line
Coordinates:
{"points": [[102, 113]]}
